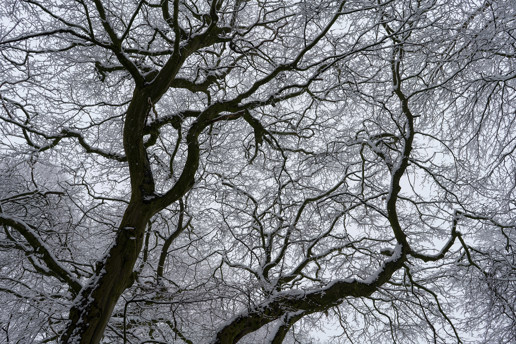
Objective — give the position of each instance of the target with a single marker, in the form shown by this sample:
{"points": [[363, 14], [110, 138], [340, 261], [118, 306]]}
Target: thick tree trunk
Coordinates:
{"points": [[93, 306]]}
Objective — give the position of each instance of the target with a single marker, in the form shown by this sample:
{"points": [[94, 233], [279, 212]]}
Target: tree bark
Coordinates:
{"points": [[93, 306]]}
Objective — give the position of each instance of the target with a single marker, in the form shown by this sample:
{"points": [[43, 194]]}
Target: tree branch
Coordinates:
{"points": [[42, 251]]}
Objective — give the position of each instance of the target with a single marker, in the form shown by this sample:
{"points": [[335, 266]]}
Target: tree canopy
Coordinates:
{"points": [[223, 171]]}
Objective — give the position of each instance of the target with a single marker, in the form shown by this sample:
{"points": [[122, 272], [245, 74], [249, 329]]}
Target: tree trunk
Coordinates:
{"points": [[94, 305]]}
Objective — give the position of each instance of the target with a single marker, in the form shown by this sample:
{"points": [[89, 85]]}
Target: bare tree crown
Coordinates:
{"points": [[216, 171]]}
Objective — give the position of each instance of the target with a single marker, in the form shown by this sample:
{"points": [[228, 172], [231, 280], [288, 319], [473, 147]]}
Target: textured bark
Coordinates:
{"points": [[95, 303], [307, 302], [282, 330]]}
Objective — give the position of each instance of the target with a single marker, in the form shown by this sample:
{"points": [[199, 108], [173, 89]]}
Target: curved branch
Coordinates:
{"points": [[179, 229], [55, 139], [286, 323], [42, 251], [307, 301], [117, 45]]}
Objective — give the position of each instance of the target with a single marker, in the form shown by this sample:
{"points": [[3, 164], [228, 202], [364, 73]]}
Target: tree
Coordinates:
{"points": [[228, 171]]}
